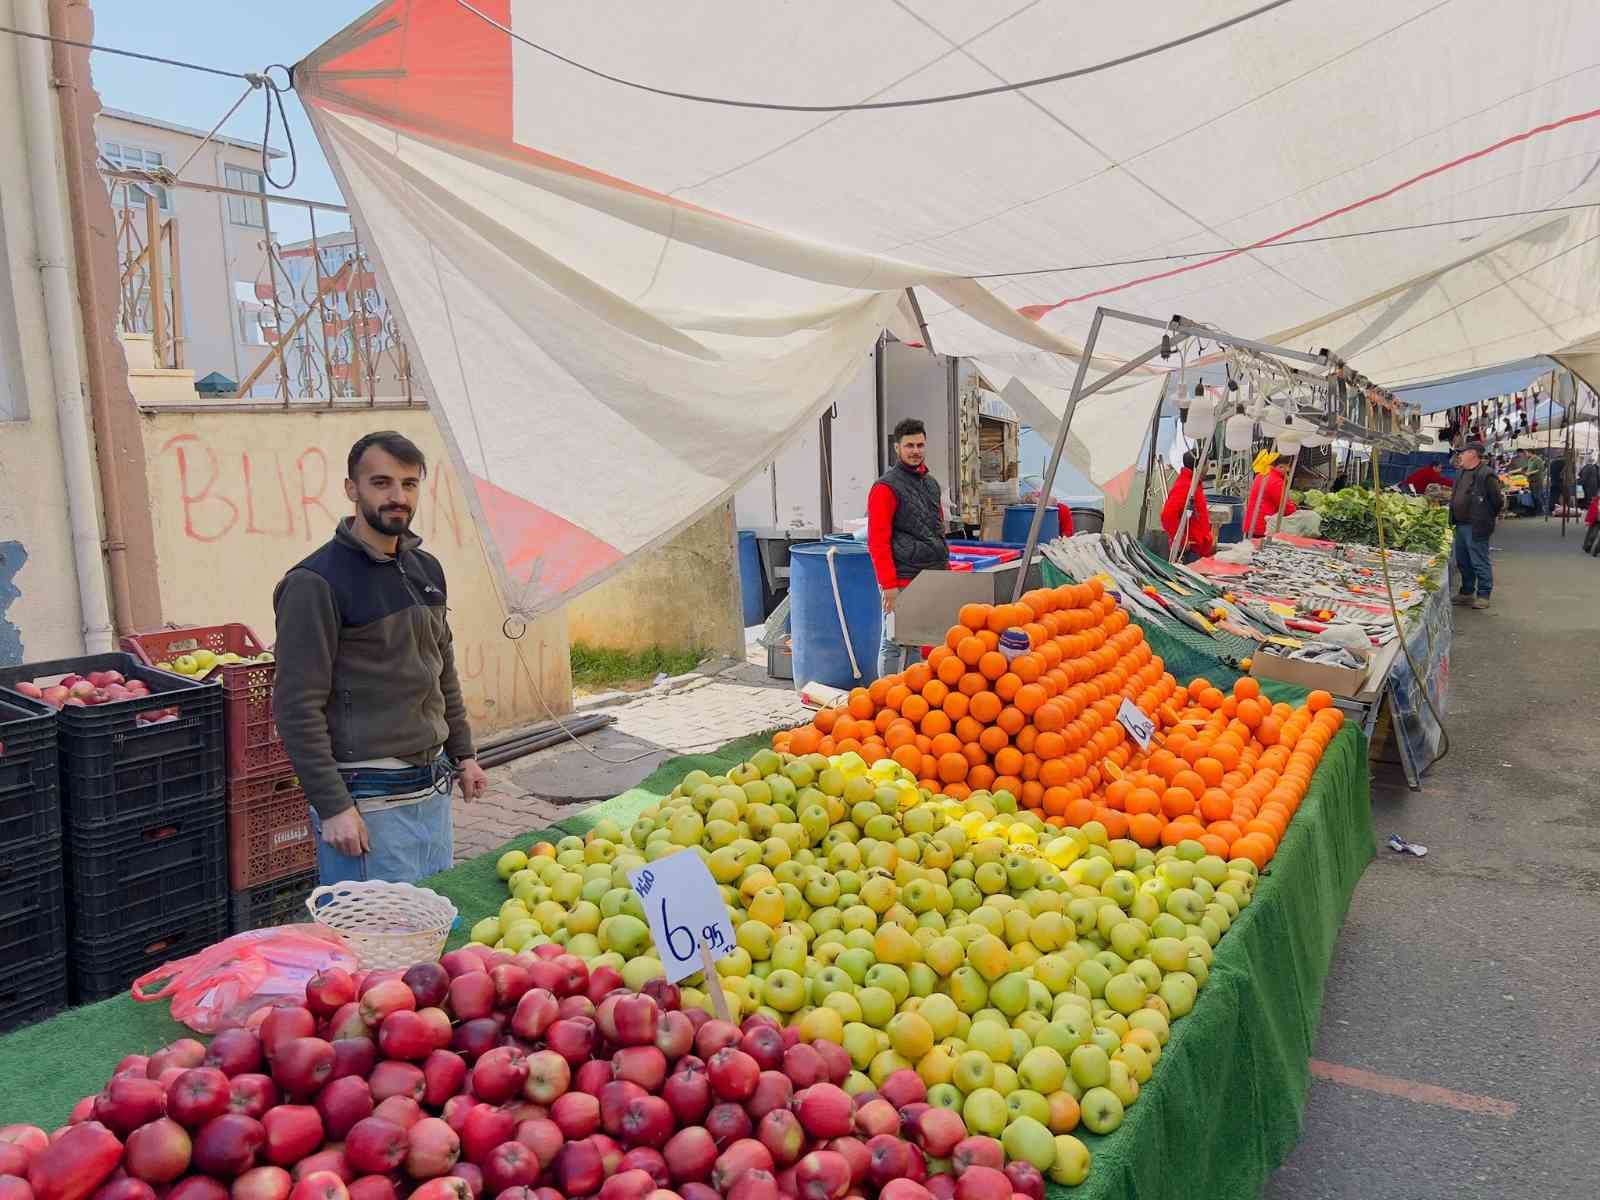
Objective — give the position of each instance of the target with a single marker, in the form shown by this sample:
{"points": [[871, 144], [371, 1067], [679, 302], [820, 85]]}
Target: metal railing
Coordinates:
{"points": [[325, 332]]}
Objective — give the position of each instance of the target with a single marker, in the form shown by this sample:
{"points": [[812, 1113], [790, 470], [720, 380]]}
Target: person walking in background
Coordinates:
{"points": [[1199, 538], [1266, 495], [905, 529], [1560, 474], [1589, 479], [1423, 476], [1475, 503], [366, 696]]}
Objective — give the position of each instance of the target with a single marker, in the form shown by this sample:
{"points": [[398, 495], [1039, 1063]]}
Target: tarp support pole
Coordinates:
{"points": [[1150, 460], [1175, 551]]}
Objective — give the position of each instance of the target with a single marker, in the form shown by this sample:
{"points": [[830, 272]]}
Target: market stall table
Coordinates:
{"points": [[1222, 1110]]}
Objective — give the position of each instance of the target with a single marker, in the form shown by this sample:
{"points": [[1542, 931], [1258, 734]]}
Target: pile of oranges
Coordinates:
{"points": [[1228, 770]]}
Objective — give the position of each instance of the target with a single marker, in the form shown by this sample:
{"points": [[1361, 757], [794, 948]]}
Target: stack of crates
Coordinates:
{"points": [[33, 914], [271, 848], [142, 823]]}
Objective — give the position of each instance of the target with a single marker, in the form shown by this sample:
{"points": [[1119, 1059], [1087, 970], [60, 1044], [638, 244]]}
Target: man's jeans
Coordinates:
{"points": [[1472, 563], [891, 656], [409, 841]]}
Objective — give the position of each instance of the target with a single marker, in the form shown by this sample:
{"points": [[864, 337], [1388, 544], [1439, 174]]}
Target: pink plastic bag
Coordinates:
{"points": [[223, 984]]}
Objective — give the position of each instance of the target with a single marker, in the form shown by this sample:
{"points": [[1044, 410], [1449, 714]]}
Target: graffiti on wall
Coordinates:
{"points": [[256, 511], [12, 556]]}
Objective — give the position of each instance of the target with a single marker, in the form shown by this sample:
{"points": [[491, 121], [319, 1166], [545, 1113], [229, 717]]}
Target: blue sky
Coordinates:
{"points": [[231, 35]]}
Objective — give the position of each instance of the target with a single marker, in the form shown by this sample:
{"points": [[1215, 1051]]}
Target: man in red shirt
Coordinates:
{"points": [[905, 528], [1199, 537], [1266, 494], [1419, 479]]}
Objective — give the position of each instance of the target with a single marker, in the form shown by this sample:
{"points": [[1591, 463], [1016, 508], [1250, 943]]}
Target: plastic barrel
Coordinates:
{"points": [[1019, 519], [820, 654], [751, 594]]}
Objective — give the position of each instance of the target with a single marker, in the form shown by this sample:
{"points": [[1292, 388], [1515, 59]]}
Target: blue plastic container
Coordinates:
{"points": [[752, 595], [1019, 519], [819, 643]]}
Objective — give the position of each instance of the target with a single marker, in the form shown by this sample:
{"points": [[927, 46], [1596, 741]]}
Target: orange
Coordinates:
{"points": [[993, 739], [1007, 686], [804, 740], [900, 733], [885, 718], [1177, 801], [957, 791], [1008, 760], [1049, 745], [1145, 828], [896, 696], [1116, 823], [986, 707], [1032, 793], [1011, 720], [917, 676], [1190, 781], [1209, 770], [944, 743], [1056, 799], [1029, 697], [935, 722], [981, 775], [968, 730], [992, 665], [934, 692], [1268, 731], [909, 757], [955, 705], [952, 767], [1213, 844], [1216, 804], [824, 719], [1143, 800], [1228, 831], [1079, 812], [1246, 688], [914, 708], [969, 650], [971, 684], [974, 616], [1318, 700], [950, 670], [1050, 716], [880, 688]]}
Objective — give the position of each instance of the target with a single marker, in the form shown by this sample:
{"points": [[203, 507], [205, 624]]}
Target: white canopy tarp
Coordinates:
{"points": [[622, 303]]}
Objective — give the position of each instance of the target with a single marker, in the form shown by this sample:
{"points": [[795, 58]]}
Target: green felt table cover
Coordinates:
{"points": [[1221, 1111]]}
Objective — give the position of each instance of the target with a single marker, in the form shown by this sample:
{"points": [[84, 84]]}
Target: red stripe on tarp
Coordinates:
{"points": [[539, 547]]}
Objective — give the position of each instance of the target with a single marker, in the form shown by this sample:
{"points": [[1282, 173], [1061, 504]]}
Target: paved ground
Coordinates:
{"points": [[702, 712], [1474, 971]]}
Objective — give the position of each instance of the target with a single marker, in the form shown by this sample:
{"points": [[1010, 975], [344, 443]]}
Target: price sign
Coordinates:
{"points": [[687, 917], [1140, 727]]}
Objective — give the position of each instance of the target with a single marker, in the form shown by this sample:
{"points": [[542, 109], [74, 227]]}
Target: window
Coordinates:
{"points": [[135, 158], [256, 315], [240, 210]]}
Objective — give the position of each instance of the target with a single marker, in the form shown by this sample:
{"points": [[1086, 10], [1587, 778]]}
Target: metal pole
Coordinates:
{"points": [[1283, 500], [1150, 459], [1175, 551], [154, 278], [1055, 457], [824, 462]]}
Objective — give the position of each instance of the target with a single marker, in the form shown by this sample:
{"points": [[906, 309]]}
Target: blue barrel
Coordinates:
{"points": [[819, 643], [1019, 519], [751, 593]]}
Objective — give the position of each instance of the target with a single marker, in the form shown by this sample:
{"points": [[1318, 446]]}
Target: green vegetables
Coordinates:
{"points": [[1409, 522]]}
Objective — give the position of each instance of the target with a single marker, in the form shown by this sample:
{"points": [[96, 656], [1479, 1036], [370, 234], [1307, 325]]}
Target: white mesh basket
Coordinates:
{"points": [[386, 925]]}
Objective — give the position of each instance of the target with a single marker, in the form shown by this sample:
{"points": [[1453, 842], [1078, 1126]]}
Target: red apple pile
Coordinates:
{"points": [[488, 1076], [90, 691]]}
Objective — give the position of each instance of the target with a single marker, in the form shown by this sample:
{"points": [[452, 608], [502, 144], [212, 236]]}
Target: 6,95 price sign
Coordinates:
{"points": [[685, 911]]}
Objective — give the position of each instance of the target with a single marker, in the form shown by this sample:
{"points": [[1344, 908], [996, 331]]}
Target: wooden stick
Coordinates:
{"points": [[719, 999]]}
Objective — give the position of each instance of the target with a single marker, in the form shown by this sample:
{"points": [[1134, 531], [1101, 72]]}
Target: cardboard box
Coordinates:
{"points": [[1340, 681]]}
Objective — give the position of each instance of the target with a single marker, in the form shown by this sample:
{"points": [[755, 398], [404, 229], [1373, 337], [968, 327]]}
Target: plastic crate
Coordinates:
{"points": [[144, 758], [279, 903], [107, 968], [141, 872], [30, 792], [269, 831], [253, 745], [33, 911], [31, 992]]}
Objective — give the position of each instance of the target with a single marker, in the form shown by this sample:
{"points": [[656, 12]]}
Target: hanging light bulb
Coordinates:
{"points": [[1201, 420], [1239, 432]]}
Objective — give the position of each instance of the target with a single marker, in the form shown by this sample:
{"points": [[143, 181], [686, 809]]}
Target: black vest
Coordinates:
{"points": [[917, 536]]}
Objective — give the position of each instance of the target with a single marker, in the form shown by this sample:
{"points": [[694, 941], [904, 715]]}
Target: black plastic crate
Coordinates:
{"points": [[30, 794], [33, 911], [129, 875], [31, 992], [146, 757], [282, 902], [107, 967]]}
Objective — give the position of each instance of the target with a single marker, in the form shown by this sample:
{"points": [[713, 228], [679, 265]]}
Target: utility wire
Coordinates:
{"points": [[155, 58], [1076, 73]]}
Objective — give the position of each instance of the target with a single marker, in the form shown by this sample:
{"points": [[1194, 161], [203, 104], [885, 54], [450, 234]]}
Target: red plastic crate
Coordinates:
{"points": [[250, 734], [269, 831]]}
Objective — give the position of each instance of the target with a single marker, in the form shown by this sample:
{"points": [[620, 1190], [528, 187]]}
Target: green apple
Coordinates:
{"points": [[1010, 993], [1024, 1103], [1094, 975], [984, 1112], [992, 1038], [877, 1006], [1042, 1069], [941, 1013], [1186, 905], [1136, 1059], [946, 1095], [1169, 953], [1149, 1018], [1071, 1164], [1122, 1083], [1005, 1079], [1129, 937], [1126, 992], [785, 990], [1120, 887], [860, 1042], [891, 979], [1178, 989], [1101, 1110], [973, 1071], [1108, 1039], [968, 990], [1090, 1066], [1063, 1035], [1026, 1138], [854, 962]]}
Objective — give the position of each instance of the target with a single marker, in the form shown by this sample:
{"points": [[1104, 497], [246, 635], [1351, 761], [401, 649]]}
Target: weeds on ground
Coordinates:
{"points": [[599, 667]]}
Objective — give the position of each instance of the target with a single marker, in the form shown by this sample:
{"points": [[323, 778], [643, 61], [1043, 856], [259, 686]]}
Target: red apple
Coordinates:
{"points": [[292, 1132], [903, 1087], [877, 1117], [472, 1175], [728, 1123], [438, 1023], [484, 1129], [698, 1191], [447, 1187], [473, 1039], [614, 1100], [82, 1111], [444, 1074], [353, 1056], [780, 1132], [1026, 1179], [262, 1183], [764, 1043], [755, 1185], [674, 1034], [804, 1066], [647, 1158], [374, 1187], [982, 1183], [627, 1185], [822, 1175], [235, 1052], [746, 1154], [499, 1074], [573, 1038], [342, 1103], [904, 1189], [302, 1066], [198, 1095], [549, 1077], [576, 1006], [855, 1153], [320, 1185], [346, 1023], [888, 1157], [385, 997], [429, 984], [158, 1152], [592, 1075], [509, 1165], [578, 1169], [471, 996], [14, 1160], [510, 983], [375, 1146], [733, 1073], [460, 962], [432, 1149], [129, 1102], [977, 1152], [124, 1187], [773, 1090], [251, 1094], [328, 990], [196, 1187], [836, 1059], [134, 1064], [825, 1110], [646, 1121], [29, 1138], [367, 980], [406, 1035], [641, 1064], [331, 1159], [400, 1110], [667, 995], [534, 1012], [283, 1024], [715, 1035], [636, 1018], [690, 1154], [577, 1114], [227, 1146], [574, 975], [543, 1136], [396, 1079], [689, 1093]]}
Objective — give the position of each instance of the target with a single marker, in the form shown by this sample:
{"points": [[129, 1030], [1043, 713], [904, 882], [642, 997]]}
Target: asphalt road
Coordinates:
{"points": [[1477, 968]]}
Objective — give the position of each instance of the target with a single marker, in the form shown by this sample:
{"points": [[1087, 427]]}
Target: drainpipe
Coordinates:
{"points": [[89, 287], [61, 317]]}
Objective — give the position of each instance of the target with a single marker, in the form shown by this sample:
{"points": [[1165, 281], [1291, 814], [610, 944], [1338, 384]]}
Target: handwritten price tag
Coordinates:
{"points": [[1140, 727], [686, 913]]}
